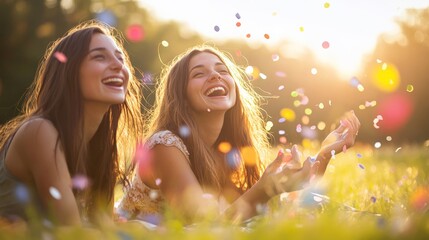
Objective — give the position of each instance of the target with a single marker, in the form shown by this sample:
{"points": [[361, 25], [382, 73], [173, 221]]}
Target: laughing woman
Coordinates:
{"points": [[84, 106], [205, 101]]}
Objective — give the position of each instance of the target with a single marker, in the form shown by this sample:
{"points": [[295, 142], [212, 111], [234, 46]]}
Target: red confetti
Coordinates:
{"points": [[238, 24], [266, 36], [248, 35]]}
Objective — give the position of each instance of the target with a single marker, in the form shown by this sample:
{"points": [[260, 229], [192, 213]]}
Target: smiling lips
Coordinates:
{"points": [[115, 82], [216, 91]]}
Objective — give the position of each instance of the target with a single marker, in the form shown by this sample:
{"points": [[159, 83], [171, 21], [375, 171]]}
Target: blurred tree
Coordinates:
{"points": [[409, 53]]}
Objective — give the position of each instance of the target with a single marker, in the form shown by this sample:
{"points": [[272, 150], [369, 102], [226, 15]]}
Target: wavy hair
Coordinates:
{"points": [[55, 95], [243, 124]]}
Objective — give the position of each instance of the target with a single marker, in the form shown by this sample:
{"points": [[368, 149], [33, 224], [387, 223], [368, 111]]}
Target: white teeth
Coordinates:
{"points": [[113, 80], [212, 90]]}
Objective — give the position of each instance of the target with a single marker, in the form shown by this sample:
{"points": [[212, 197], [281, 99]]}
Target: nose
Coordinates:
{"points": [[215, 76], [116, 64]]}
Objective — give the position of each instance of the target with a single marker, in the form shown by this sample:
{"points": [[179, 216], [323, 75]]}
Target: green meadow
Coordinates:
{"points": [[366, 193]]}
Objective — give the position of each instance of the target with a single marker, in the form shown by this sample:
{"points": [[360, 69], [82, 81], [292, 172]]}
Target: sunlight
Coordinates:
{"points": [[339, 33]]}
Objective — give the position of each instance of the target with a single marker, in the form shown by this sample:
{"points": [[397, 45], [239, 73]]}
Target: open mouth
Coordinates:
{"points": [[114, 82], [216, 92]]}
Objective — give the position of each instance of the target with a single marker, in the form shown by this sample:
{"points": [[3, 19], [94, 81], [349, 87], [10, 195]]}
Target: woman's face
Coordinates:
{"points": [[103, 74], [210, 85]]}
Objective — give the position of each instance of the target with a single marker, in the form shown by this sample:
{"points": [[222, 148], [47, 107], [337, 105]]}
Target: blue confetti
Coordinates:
{"points": [[216, 28], [237, 15]]}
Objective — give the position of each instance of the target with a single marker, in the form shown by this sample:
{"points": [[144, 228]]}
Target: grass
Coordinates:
{"points": [[366, 193]]}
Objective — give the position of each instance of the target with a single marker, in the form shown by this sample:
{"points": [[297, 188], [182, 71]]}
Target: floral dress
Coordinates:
{"points": [[139, 199]]}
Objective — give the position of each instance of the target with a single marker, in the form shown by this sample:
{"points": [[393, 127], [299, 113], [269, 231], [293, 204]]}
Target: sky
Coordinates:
{"points": [[339, 32]]}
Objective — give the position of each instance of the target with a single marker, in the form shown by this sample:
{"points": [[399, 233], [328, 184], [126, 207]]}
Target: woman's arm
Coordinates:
{"points": [[338, 140], [185, 195], [44, 162]]}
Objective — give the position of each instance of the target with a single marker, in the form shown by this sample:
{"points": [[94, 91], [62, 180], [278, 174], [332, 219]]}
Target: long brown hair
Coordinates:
{"points": [[55, 95], [243, 124]]}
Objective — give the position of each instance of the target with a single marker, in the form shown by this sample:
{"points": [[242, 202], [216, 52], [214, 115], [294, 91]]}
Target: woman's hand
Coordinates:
{"points": [[285, 173], [338, 140]]}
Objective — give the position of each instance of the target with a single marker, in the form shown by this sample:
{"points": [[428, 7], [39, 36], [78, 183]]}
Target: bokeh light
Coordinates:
{"points": [[135, 33], [288, 114], [249, 155], [385, 77], [395, 111], [107, 17]]}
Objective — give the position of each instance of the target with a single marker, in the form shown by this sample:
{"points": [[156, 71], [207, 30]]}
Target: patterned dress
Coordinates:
{"points": [[139, 199]]}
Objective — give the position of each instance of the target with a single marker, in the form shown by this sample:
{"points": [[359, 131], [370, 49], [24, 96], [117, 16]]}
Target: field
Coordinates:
{"points": [[366, 193]]}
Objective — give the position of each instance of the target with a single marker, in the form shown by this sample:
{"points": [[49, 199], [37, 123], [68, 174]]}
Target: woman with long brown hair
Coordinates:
{"points": [[207, 145], [62, 157]]}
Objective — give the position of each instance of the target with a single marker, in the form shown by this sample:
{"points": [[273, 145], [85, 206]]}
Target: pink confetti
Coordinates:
{"points": [[325, 44], [60, 57], [80, 182]]}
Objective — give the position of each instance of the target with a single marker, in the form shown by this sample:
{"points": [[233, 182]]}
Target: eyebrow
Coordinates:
{"points": [[200, 65], [103, 49]]}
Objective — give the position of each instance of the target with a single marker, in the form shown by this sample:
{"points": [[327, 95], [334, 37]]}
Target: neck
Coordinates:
{"points": [[210, 125], [93, 115]]}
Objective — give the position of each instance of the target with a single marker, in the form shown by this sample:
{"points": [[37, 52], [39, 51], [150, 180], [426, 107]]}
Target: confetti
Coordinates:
{"points": [[153, 195], [80, 182], [55, 193], [301, 29], [184, 131], [281, 87], [373, 199], [397, 150], [266, 36], [275, 57], [60, 57], [22, 194], [326, 5], [361, 166], [216, 28], [314, 71], [325, 44], [237, 15], [377, 144], [158, 181], [358, 155], [283, 140], [248, 35], [269, 125], [164, 43], [298, 128], [238, 24], [410, 88], [282, 132]]}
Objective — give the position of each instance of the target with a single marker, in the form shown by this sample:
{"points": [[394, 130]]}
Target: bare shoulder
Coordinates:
{"points": [[167, 162], [36, 134], [34, 146]]}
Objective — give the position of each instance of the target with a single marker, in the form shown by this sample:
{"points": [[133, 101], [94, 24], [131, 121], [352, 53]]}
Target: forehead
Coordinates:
{"points": [[204, 58], [100, 40]]}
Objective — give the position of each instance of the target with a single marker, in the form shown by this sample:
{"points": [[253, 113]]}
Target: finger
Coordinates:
{"points": [[295, 162], [278, 160], [306, 169]]}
